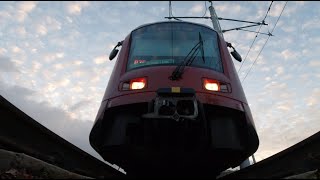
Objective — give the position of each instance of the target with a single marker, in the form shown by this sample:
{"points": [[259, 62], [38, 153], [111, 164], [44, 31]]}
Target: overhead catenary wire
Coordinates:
{"points": [[171, 14], [205, 6], [169, 9], [255, 36], [269, 34], [264, 43]]}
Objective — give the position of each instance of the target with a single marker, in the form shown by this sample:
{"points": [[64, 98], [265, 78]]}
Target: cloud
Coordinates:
{"points": [[63, 82], [48, 74], [315, 40], [16, 49], [249, 36], [55, 119], [60, 55], [260, 14], [265, 69], [291, 8], [276, 107], [277, 110], [4, 15], [288, 54], [311, 24], [79, 104], [41, 30], [6, 65], [59, 66], [279, 70], [300, 3], [20, 16], [27, 6], [78, 107], [50, 87], [47, 24], [222, 8], [313, 98], [18, 62], [50, 57], [76, 89], [225, 9], [75, 8], [100, 59], [35, 66], [23, 9], [79, 73], [110, 47], [77, 62], [21, 31], [237, 8], [52, 23], [314, 63], [276, 9], [278, 134], [197, 9], [133, 3], [289, 29], [3, 51], [284, 107], [69, 19]]}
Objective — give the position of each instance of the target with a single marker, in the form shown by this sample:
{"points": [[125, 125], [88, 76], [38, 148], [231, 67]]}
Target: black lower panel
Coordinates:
{"points": [[216, 140]]}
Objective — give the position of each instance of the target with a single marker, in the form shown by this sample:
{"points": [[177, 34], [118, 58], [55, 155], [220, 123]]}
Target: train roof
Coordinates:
{"points": [[160, 22]]}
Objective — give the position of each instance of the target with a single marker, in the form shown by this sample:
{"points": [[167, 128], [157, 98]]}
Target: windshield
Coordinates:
{"points": [[169, 43]]}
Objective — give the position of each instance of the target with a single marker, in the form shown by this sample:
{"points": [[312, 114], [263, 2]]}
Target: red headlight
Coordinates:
{"points": [[211, 85], [138, 83]]}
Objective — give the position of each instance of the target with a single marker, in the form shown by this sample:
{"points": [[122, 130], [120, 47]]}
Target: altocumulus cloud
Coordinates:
{"points": [[54, 118], [64, 69], [6, 64]]}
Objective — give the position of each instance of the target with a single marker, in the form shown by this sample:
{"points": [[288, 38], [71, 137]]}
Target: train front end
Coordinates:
{"points": [[174, 103]]}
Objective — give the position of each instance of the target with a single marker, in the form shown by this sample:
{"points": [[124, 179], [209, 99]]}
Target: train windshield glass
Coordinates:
{"points": [[169, 43]]}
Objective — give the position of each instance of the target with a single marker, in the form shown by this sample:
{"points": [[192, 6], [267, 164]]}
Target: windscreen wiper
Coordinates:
{"points": [[177, 73]]}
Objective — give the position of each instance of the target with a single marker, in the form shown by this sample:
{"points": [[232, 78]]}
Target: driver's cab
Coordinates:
{"points": [[167, 44]]}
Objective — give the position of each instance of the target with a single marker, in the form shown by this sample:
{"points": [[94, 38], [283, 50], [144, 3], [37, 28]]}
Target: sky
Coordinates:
{"points": [[54, 62]]}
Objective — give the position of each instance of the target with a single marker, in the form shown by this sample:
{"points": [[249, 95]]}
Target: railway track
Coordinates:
{"points": [[22, 134], [296, 160]]}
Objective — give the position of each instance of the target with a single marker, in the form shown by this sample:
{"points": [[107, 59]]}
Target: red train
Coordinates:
{"points": [[174, 104]]}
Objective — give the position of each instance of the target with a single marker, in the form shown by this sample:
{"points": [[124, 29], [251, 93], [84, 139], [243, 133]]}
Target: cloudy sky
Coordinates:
{"points": [[54, 62]]}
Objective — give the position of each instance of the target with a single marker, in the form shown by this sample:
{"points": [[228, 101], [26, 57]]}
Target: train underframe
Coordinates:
{"points": [[175, 135]]}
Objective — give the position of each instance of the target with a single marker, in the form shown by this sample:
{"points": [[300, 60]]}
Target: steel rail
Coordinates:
{"points": [[299, 158], [22, 134]]}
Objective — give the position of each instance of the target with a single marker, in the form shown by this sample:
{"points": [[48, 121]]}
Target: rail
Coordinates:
{"points": [[297, 159], [22, 134]]}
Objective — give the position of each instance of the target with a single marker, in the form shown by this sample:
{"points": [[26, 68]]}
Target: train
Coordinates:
{"points": [[174, 104]]}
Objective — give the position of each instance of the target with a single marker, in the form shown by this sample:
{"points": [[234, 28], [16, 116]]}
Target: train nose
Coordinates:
{"points": [[185, 107], [167, 108], [174, 107]]}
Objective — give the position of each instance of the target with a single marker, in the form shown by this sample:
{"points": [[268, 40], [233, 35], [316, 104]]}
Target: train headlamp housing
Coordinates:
{"points": [[135, 84], [215, 85]]}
